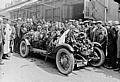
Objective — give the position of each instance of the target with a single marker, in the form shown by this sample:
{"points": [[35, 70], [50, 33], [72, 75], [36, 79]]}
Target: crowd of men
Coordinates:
{"points": [[107, 34]]}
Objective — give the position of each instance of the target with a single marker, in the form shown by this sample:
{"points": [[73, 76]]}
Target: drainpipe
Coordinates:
{"points": [[106, 7]]}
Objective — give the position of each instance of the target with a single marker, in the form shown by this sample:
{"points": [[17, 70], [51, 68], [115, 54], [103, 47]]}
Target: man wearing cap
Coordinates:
{"points": [[1, 40]]}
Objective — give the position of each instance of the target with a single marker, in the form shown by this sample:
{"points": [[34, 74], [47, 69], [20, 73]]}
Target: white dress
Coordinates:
{"points": [[8, 32]]}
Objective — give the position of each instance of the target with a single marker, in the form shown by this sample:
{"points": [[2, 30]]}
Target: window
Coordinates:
{"points": [[48, 14], [56, 12]]}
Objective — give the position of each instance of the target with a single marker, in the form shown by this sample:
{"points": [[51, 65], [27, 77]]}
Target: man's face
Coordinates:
{"points": [[5, 21], [98, 24], [70, 23], [19, 21], [76, 23]]}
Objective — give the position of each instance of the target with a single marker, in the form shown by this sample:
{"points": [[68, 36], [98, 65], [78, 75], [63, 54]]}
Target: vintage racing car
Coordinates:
{"points": [[70, 49]]}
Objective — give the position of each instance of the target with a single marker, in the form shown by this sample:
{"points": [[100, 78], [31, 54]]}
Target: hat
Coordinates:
{"points": [[86, 21], [94, 22], [19, 19], [5, 18], [71, 20], [80, 19], [109, 22], [91, 19], [39, 26], [81, 23], [66, 21], [45, 25], [116, 22], [76, 30], [30, 20], [1, 19], [99, 22]]}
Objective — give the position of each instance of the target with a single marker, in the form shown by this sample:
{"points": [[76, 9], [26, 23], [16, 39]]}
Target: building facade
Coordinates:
{"points": [[58, 10], [104, 10]]}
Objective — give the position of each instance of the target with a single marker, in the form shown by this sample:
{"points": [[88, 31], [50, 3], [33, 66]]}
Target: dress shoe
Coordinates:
{"points": [[109, 67], [1, 63], [5, 58], [117, 69]]}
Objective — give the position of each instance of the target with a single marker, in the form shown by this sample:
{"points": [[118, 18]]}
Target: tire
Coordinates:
{"points": [[100, 61], [63, 54], [24, 49]]}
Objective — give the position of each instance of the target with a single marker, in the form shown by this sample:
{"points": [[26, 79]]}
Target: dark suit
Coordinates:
{"points": [[112, 46], [1, 42]]}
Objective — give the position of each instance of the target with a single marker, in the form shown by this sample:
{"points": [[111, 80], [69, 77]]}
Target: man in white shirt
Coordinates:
{"points": [[8, 32]]}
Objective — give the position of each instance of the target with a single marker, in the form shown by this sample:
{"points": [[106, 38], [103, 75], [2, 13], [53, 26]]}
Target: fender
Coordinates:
{"points": [[27, 42], [63, 45], [97, 44]]}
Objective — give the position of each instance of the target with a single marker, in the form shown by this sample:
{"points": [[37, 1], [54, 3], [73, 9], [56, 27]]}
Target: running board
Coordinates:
{"points": [[39, 51]]}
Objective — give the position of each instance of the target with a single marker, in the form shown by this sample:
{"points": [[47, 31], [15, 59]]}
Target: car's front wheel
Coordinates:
{"points": [[24, 49], [99, 57], [65, 61]]}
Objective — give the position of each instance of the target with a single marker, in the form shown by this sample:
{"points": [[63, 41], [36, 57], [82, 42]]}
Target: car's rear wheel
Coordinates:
{"points": [[65, 61], [24, 49]]}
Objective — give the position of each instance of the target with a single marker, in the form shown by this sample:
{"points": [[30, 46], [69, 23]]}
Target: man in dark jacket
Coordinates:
{"points": [[112, 47], [18, 34], [118, 45]]}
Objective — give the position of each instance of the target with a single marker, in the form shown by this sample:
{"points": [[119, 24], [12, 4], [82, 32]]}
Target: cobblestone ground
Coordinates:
{"points": [[35, 69]]}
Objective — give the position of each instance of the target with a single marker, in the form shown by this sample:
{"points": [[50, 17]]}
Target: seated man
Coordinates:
{"points": [[37, 33]]}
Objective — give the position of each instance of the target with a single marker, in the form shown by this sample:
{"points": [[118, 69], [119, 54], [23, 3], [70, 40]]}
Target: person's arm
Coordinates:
{"points": [[3, 37]]}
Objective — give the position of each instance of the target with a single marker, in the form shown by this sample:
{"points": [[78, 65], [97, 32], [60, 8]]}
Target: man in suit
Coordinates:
{"points": [[1, 41], [18, 34], [112, 47], [118, 46]]}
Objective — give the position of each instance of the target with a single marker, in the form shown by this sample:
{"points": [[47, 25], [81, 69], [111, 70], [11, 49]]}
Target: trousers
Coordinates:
{"points": [[1, 51]]}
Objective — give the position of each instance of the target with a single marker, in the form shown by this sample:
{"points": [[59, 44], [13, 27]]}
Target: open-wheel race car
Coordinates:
{"points": [[68, 49]]}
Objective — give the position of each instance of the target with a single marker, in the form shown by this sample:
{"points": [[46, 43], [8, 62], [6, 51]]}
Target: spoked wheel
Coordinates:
{"points": [[24, 49], [99, 57], [65, 61]]}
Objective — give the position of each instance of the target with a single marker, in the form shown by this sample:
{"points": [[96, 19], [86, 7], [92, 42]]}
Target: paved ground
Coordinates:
{"points": [[35, 69]]}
